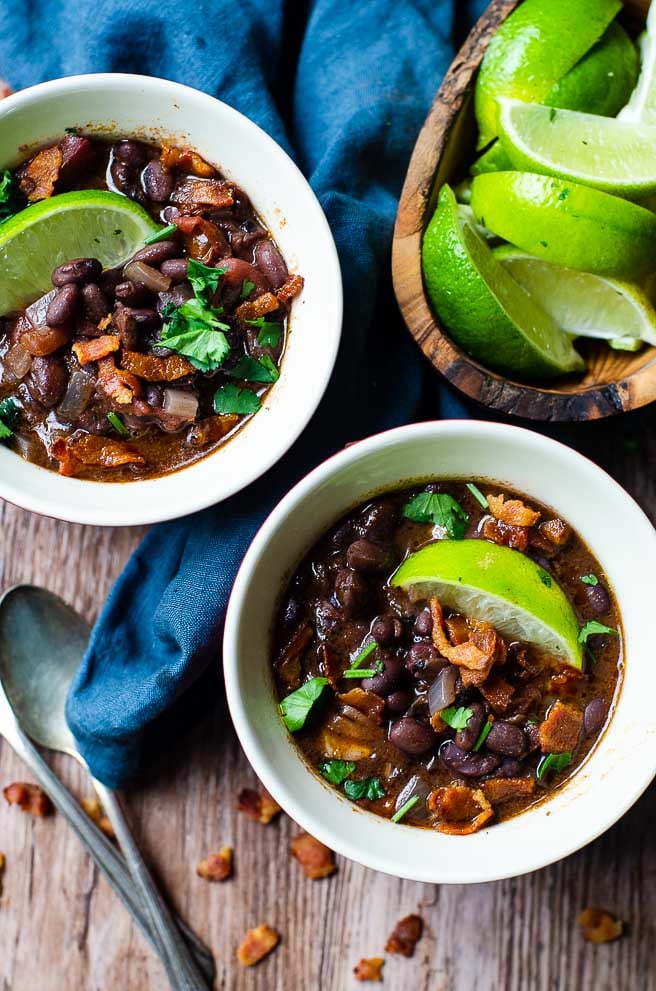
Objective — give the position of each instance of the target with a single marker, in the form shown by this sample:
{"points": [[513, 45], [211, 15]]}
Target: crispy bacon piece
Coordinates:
{"points": [[29, 798], [105, 322], [561, 728], [500, 533], [556, 532], [94, 810], [316, 859], [154, 369], [405, 935], [566, 680], [330, 665], [217, 866], [38, 177], [369, 969], [476, 656], [186, 160], [258, 806], [599, 926], [197, 195], [119, 385], [89, 449], [457, 629], [211, 429], [288, 664], [461, 810], [95, 349], [512, 511], [498, 790], [252, 309], [498, 693], [290, 289], [257, 944], [204, 240], [77, 155], [372, 706]]}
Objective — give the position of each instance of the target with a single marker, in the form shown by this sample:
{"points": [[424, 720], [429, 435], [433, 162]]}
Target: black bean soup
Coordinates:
{"points": [[139, 371], [424, 715]]}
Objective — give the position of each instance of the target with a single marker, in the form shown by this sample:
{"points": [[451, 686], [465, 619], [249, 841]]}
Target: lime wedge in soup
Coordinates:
{"points": [[91, 223], [497, 585]]}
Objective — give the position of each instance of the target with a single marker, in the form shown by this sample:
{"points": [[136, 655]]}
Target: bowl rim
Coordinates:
{"points": [[157, 508], [288, 794], [489, 388]]}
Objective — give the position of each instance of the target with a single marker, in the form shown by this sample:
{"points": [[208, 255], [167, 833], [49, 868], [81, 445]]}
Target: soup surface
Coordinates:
{"points": [[427, 713], [138, 371]]}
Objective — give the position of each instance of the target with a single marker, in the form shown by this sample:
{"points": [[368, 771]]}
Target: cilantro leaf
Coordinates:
{"points": [[553, 764], [482, 736], [589, 580], [592, 627], [456, 718], [255, 369], [295, 708], [247, 288], [8, 205], [269, 335], [195, 331], [478, 495], [405, 808], [337, 771], [545, 578], [204, 278], [439, 509], [370, 788], [231, 399], [359, 673], [8, 417]]}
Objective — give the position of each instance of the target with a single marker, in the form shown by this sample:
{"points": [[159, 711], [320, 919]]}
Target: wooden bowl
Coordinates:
{"points": [[614, 382]]}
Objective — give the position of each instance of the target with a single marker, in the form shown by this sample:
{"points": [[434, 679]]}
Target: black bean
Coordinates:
{"points": [[388, 679], [367, 556], [174, 269], [351, 591], [532, 733], [594, 716], [424, 624], [130, 153], [126, 327], [423, 661], [510, 768], [77, 270], [154, 394], [94, 302], [62, 307], [466, 738], [598, 599], [270, 262], [155, 254], [327, 618], [507, 739], [144, 317], [399, 701], [386, 629], [470, 765], [109, 281], [158, 181], [412, 737], [87, 328], [377, 520], [131, 294], [176, 296], [48, 379]]}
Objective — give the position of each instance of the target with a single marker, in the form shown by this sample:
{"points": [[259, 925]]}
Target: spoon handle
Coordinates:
{"points": [[181, 968], [101, 850]]}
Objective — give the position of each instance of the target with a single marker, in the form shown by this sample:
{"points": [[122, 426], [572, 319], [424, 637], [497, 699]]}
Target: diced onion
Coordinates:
{"points": [[36, 313], [77, 396], [416, 787], [443, 690], [179, 402], [145, 275], [18, 361]]}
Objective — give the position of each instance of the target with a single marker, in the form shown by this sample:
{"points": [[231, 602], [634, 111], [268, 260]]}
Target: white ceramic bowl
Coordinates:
{"points": [[621, 765], [120, 105]]}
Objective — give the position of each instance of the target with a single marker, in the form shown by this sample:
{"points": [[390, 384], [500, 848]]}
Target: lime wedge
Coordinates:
{"points": [[486, 312], [567, 223], [493, 160], [641, 107], [583, 304], [602, 152], [602, 82], [533, 49], [499, 586], [92, 223]]}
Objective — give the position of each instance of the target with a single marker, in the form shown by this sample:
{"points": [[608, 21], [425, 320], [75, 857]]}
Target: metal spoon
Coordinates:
{"points": [[42, 641]]}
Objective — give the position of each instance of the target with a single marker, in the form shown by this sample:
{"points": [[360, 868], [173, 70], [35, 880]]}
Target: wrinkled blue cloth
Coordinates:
{"points": [[344, 87]]}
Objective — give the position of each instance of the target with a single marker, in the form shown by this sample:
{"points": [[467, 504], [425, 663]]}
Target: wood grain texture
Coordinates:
{"points": [[614, 382], [61, 929]]}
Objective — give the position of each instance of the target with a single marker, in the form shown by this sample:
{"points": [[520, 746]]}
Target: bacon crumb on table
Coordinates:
{"points": [[405, 935], [599, 926], [258, 806], [316, 859], [29, 798], [217, 866], [95, 811], [257, 944], [369, 969]]}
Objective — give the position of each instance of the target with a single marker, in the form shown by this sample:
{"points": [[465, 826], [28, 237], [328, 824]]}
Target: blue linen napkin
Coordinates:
{"points": [[345, 88]]}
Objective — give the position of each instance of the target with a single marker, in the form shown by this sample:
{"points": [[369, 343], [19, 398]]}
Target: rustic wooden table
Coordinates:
{"points": [[61, 927]]}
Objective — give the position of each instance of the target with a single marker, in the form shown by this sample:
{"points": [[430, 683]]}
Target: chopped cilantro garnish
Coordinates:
{"points": [[478, 495], [359, 673], [195, 331], [118, 424], [161, 234], [8, 417], [247, 288], [364, 654], [269, 335], [231, 399], [295, 708], [553, 763], [8, 205], [204, 279], [544, 577], [456, 718], [482, 736], [552, 114], [589, 579], [370, 788], [405, 808], [337, 771], [440, 509], [255, 369], [71, 130], [592, 627]]}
